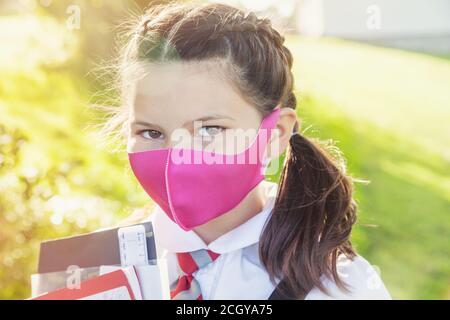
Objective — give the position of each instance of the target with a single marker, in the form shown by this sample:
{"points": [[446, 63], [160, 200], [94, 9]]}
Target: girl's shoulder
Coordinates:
{"points": [[362, 279]]}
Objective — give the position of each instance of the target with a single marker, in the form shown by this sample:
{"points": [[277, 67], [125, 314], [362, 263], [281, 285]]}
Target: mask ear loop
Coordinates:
{"points": [[265, 166], [266, 161]]}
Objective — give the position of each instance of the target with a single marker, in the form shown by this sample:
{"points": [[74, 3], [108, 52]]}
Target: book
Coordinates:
{"points": [[117, 263], [89, 250], [110, 286]]}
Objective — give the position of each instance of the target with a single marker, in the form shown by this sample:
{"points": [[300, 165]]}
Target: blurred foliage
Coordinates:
{"points": [[99, 19], [32, 203]]}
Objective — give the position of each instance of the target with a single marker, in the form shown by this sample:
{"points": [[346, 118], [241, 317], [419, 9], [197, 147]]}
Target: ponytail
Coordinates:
{"points": [[311, 221]]}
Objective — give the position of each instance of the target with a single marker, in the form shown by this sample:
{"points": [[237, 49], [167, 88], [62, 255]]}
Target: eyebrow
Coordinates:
{"points": [[205, 118], [213, 117], [144, 123]]}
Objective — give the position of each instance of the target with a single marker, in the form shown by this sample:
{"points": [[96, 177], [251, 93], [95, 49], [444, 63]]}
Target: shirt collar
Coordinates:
{"points": [[173, 238]]}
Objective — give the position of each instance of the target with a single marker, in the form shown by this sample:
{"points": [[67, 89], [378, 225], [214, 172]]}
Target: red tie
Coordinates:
{"points": [[186, 287]]}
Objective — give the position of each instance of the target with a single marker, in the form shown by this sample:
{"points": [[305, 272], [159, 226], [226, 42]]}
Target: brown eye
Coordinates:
{"points": [[150, 134]]}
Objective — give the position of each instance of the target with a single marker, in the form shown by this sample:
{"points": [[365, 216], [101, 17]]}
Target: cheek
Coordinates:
{"points": [[132, 145], [136, 143], [233, 141]]}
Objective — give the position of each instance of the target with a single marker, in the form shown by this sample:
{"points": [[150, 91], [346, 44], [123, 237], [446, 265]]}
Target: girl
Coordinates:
{"points": [[200, 75]]}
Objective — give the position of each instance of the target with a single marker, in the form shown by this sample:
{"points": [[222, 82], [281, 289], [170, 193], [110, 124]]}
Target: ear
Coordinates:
{"points": [[280, 137]]}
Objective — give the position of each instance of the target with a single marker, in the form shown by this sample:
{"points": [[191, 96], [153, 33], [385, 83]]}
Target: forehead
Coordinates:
{"points": [[186, 89]]}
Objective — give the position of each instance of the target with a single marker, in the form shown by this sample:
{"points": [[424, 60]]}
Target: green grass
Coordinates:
{"points": [[388, 111]]}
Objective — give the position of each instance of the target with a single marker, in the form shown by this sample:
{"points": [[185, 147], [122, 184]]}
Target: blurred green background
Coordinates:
{"points": [[386, 109]]}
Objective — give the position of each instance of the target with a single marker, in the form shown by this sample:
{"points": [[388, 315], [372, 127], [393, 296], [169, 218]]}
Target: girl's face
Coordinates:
{"points": [[190, 105]]}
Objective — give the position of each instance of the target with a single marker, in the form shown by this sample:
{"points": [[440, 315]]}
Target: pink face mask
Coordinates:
{"points": [[194, 192]]}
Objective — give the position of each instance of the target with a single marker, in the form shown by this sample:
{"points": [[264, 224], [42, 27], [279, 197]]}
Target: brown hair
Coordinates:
{"points": [[314, 210]]}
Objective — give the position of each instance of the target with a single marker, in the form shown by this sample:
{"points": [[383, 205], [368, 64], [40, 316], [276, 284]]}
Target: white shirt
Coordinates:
{"points": [[238, 273]]}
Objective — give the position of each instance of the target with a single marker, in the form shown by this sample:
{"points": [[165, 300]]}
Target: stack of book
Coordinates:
{"points": [[113, 264]]}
